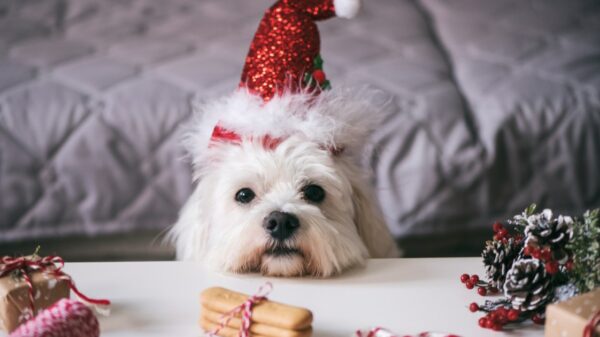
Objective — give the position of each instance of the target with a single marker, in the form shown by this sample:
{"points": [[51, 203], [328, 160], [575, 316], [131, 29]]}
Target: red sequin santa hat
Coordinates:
{"points": [[281, 92], [284, 54]]}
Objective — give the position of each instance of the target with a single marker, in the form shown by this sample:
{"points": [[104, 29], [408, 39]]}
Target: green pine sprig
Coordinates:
{"points": [[585, 246], [519, 222]]}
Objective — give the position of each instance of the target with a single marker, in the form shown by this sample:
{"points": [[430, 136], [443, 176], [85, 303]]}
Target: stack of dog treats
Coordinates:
{"points": [[269, 319]]}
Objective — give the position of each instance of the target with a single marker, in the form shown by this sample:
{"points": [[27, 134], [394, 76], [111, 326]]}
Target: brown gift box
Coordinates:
{"points": [[14, 296], [569, 318]]}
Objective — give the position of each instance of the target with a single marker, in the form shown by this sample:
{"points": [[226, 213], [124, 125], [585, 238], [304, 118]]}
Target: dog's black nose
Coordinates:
{"points": [[281, 225]]}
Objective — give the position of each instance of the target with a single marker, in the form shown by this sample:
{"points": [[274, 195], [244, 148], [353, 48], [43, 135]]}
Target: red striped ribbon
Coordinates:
{"points": [[246, 311], [223, 135], [51, 265]]}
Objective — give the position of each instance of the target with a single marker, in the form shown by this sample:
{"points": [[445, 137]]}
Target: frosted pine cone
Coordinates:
{"points": [[527, 285], [544, 230], [498, 257]]}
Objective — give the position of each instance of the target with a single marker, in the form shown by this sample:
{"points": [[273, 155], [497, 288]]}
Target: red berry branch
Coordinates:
{"points": [[498, 314]]}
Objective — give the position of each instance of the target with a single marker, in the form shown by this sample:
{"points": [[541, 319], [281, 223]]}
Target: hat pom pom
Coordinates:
{"points": [[346, 8]]}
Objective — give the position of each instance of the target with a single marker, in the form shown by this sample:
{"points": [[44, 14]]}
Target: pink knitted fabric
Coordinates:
{"points": [[65, 318]]}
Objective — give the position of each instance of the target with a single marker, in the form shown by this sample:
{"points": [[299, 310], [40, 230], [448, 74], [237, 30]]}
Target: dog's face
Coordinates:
{"points": [[285, 211]]}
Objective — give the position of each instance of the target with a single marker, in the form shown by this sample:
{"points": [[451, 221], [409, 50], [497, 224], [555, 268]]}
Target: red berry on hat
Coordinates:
{"points": [[319, 76], [464, 278], [482, 322], [482, 291], [473, 307], [469, 285], [474, 279]]}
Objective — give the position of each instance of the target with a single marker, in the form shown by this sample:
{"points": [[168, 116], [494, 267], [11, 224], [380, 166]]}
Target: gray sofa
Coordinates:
{"points": [[497, 106]]}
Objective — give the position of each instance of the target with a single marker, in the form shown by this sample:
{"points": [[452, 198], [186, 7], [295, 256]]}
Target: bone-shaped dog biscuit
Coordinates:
{"points": [[267, 312], [255, 328]]}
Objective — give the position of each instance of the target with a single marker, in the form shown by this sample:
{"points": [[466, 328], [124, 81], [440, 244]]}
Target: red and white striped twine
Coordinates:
{"points": [[375, 332], [246, 311], [65, 318], [381, 332]]}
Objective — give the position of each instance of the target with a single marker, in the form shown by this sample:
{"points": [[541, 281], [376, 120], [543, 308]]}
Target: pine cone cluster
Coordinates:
{"points": [[498, 258], [536, 260], [527, 285]]}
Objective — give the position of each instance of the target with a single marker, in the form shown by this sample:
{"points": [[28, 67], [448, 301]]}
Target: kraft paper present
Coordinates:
{"points": [[14, 298], [569, 318]]}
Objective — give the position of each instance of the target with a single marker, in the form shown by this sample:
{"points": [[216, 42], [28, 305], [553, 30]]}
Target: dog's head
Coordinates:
{"points": [[290, 204]]}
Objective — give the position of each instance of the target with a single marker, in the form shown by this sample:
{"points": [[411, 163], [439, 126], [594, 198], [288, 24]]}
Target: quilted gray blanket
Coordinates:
{"points": [[497, 106]]}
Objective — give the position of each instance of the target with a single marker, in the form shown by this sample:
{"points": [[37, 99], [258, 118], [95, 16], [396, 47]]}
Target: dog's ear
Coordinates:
{"points": [[370, 224], [190, 232]]}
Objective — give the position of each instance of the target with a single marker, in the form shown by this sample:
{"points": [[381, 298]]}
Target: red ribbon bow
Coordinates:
{"points": [[51, 265], [246, 310]]}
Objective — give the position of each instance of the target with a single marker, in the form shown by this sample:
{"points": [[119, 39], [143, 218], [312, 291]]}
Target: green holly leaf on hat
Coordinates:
{"points": [[317, 77]]}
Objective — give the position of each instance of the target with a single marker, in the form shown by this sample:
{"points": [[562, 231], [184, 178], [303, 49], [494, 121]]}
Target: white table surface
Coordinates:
{"points": [[405, 295]]}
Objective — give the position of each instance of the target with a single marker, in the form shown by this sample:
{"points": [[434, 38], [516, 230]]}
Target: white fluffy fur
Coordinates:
{"points": [[341, 117], [341, 232], [346, 8]]}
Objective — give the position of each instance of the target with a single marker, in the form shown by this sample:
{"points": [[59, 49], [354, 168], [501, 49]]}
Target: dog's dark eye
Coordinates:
{"points": [[313, 193], [245, 195]]}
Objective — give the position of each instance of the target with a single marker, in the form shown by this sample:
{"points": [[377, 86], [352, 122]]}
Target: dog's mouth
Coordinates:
{"points": [[283, 260], [282, 251]]}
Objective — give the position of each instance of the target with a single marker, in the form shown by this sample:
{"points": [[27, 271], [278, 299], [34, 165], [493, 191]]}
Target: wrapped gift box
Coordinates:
{"points": [[14, 296], [569, 318]]}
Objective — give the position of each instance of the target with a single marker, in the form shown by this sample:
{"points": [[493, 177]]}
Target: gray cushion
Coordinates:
{"points": [[497, 105]]}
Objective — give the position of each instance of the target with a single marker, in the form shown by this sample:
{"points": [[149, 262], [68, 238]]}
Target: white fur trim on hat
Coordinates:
{"points": [[346, 8], [337, 118]]}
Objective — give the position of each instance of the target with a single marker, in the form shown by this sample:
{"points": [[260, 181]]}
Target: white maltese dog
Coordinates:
{"points": [[301, 207], [278, 189]]}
